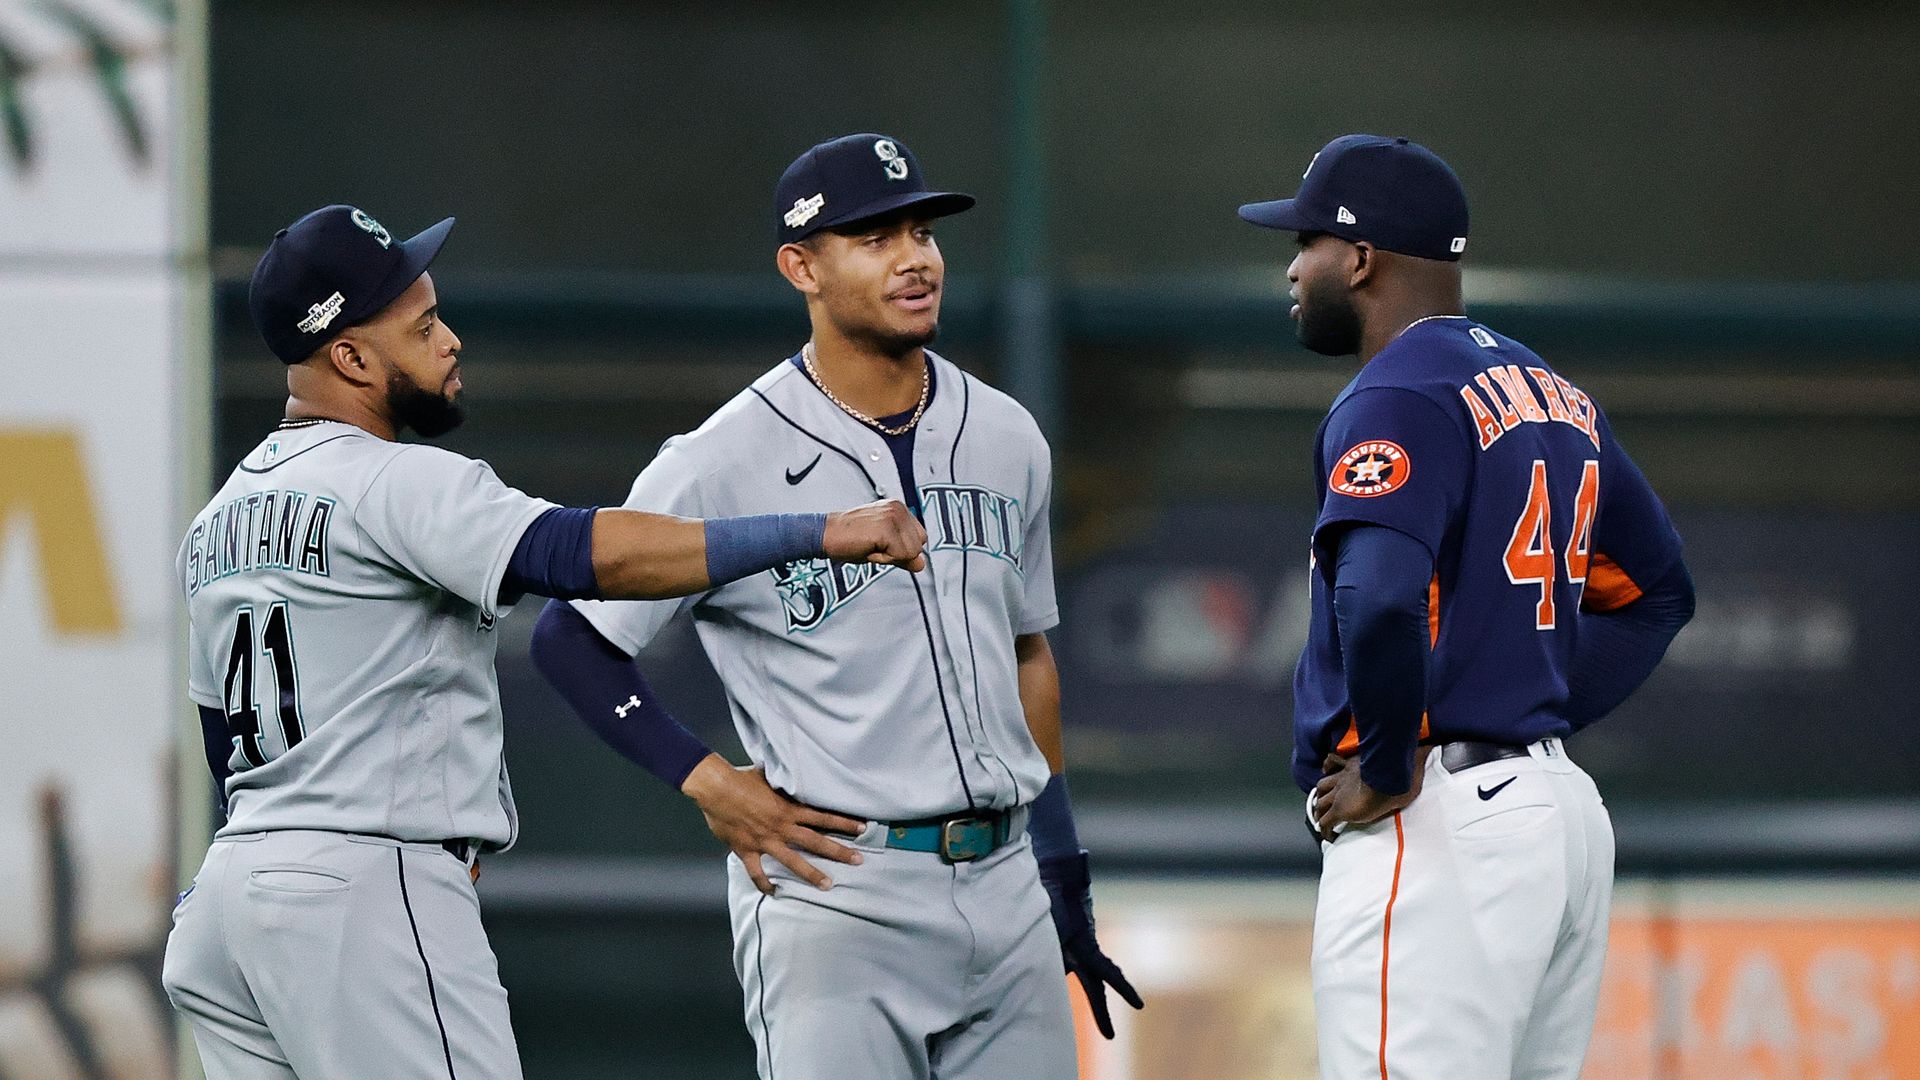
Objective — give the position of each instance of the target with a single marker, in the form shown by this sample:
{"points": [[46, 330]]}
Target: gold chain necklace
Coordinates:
{"points": [[926, 387], [1426, 318]]}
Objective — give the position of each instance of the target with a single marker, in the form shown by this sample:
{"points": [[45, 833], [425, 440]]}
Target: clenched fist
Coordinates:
{"points": [[879, 532]]}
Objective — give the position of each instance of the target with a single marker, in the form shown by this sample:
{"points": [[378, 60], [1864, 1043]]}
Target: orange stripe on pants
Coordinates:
{"points": [[1386, 934]]}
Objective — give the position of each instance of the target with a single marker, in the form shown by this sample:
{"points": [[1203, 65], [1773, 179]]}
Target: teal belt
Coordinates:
{"points": [[956, 838]]}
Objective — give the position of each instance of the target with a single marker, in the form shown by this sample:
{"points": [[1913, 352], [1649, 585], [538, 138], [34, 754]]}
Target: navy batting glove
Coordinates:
{"points": [[1070, 887]]}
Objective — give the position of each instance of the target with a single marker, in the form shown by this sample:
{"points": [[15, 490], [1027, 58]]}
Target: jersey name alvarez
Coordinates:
{"points": [[958, 517]]}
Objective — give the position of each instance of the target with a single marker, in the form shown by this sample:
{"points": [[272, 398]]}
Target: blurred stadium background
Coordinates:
{"points": [[1701, 211]]}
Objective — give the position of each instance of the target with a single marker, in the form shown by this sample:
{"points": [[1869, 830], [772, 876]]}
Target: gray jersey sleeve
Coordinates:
{"points": [[202, 685], [447, 520], [1039, 610], [669, 485]]}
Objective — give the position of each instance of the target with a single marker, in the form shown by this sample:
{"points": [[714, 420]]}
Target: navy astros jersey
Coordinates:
{"points": [[1468, 442]]}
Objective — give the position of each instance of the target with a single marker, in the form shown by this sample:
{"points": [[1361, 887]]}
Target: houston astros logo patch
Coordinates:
{"points": [[1370, 469]]}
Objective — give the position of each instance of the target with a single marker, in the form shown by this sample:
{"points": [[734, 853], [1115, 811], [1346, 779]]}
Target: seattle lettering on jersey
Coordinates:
{"points": [[267, 530], [1508, 402], [812, 589], [958, 518], [963, 518]]}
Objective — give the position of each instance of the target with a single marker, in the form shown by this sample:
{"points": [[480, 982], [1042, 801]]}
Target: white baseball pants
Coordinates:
{"points": [[1464, 937]]}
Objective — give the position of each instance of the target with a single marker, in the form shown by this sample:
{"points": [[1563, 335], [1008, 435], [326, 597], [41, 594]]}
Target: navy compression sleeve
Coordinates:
{"points": [[219, 748], [605, 687], [1380, 604], [1618, 649], [554, 557]]}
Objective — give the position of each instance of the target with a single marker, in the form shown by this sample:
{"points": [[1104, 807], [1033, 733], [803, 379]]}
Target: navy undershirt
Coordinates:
{"points": [[1380, 606], [607, 691], [554, 557], [900, 445]]}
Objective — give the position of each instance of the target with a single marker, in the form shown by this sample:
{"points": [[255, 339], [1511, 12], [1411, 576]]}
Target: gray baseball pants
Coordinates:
{"points": [[909, 968], [328, 956]]}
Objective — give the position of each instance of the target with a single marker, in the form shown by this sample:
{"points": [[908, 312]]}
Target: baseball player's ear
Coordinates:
{"points": [[1365, 260], [796, 265], [349, 362]]}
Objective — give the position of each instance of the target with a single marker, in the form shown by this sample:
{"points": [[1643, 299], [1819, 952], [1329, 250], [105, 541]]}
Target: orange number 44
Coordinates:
{"points": [[1529, 556]]}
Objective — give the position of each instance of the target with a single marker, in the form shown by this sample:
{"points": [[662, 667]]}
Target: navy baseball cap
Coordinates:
{"points": [[1395, 194], [853, 178], [331, 269]]}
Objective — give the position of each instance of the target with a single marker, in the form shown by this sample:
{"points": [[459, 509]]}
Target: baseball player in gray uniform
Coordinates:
{"points": [[916, 715], [342, 590]]}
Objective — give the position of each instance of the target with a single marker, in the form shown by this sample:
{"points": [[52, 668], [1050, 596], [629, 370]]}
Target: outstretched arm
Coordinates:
{"points": [[642, 556], [586, 554], [1056, 842]]}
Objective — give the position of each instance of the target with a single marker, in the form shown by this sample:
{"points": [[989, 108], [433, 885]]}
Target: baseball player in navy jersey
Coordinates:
{"points": [[917, 716], [1491, 573], [342, 590]]}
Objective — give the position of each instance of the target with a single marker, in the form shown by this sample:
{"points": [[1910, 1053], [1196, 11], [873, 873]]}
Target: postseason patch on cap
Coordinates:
{"points": [[1371, 469], [321, 315], [804, 210]]}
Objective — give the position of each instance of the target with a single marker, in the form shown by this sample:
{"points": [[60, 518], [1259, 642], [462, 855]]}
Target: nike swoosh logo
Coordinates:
{"points": [[796, 477], [1488, 793]]}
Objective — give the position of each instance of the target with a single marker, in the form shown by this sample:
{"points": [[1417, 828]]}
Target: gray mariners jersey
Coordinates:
{"points": [[865, 689], [342, 592]]}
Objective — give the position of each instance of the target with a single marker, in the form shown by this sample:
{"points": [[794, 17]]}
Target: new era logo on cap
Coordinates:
{"points": [[1345, 217]]}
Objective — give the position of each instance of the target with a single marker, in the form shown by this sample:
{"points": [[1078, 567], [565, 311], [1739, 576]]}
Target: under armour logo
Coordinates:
{"points": [[889, 155], [1345, 217], [633, 702]]}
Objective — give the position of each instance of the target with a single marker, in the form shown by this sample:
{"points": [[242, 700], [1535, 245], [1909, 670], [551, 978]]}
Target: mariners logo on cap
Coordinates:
{"points": [[891, 159], [372, 228], [1371, 469]]}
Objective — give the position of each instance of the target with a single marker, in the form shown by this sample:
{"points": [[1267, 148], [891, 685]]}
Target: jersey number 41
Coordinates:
{"points": [[243, 715]]}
